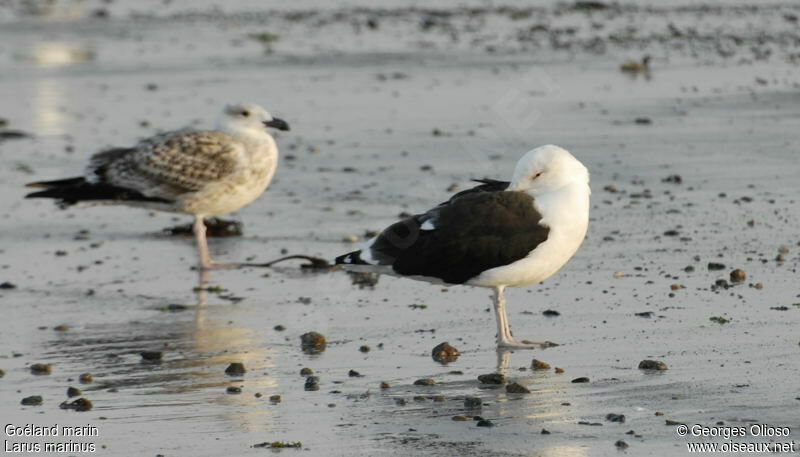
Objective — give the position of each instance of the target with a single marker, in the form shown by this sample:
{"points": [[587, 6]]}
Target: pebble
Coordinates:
{"points": [[492, 378], [306, 372], [354, 374], [544, 432], [582, 379], [558, 370], [424, 382], [621, 444], [652, 365], [713, 266], [473, 402], [151, 356], [550, 313], [61, 328], [81, 404], [738, 275], [275, 398], [41, 369], [385, 385], [85, 378], [235, 369], [537, 364], [517, 388], [313, 341], [365, 349], [485, 423], [233, 390], [612, 417], [33, 400], [73, 392], [312, 383], [444, 353], [672, 422], [461, 418]]}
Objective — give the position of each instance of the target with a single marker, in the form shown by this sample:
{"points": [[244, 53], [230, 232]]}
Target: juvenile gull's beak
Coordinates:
{"points": [[276, 123]]}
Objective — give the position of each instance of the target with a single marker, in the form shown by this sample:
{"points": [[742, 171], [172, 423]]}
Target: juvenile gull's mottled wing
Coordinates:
{"points": [[169, 165], [474, 231]]}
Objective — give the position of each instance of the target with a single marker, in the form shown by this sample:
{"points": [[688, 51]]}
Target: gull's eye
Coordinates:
{"points": [[537, 175], [245, 113]]}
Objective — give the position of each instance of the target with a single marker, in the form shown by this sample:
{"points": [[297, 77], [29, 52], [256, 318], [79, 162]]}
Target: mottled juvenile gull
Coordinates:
{"points": [[497, 234], [203, 173]]}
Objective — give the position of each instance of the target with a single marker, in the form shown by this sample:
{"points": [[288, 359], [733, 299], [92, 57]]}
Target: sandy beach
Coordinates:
{"points": [[393, 107]]}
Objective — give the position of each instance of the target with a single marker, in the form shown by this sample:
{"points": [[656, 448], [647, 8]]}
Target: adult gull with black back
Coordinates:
{"points": [[495, 235]]}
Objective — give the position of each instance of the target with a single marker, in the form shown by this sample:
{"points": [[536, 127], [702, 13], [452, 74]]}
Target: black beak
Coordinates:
{"points": [[279, 124]]}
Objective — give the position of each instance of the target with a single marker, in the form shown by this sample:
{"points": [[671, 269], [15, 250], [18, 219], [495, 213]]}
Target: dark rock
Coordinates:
{"points": [[738, 275], [41, 369], [611, 417], [33, 400], [81, 404], [354, 374], [306, 372], [233, 390], [714, 266], [652, 365], [537, 364], [492, 378], [73, 392], [152, 356], [313, 342], [444, 353], [312, 383], [7, 286], [580, 380], [517, 388], [275, 398], [365, 349], [473, 402], [235, 369], [621, 444], [544, 432], [551, 313], [85, 378], [424, 382], [485, 423]]}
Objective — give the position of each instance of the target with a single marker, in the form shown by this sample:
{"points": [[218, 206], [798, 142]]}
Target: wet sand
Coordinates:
{"points": [[385, 119]]}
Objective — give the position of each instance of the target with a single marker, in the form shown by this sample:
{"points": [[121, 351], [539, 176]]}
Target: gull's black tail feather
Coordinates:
{"points": [[73, 190], [351, 258]]}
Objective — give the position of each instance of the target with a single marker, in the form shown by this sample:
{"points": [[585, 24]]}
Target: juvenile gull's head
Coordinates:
{"points": [[247, 117]]}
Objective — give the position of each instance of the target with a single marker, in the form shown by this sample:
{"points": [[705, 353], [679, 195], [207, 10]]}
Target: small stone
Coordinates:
{"points": [[7, 285], [517, 388], [233, 390], [312, 342], [2, 373], [354, 374], [424, 382], [81, 404], [461, 418], [713, 266], [759, 285], [275, 398], [551, 313], [306, 372], [312, 383], [438, 399], [537, 364], [652, 365], [544, 432], [783, 250], [492, 378], [738, 275], [85, 378], [558, 370], [611, 417], [672, 422], [675, 287], [73, 392], [621, 444], [659, 413], [151, 356], [41, 369], [580, 380], [235, 369], [365, 349], [485, 423], [444, 353], [61, 328], [33, 400], [279, 328], [258, 395], [385, 385], [400, 401], [473, 402]]}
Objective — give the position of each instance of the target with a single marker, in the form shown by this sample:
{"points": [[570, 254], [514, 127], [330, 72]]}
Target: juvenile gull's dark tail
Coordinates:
{"points": [[73, 190]]}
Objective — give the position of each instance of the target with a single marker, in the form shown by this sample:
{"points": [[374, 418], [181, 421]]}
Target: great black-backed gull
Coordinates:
{"points": [[497, 234], [203, 173]]}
